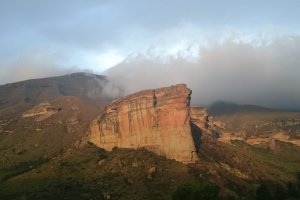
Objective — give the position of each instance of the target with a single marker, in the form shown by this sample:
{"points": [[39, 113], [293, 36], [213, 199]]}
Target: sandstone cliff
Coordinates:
{"points": [[158, 120], [203, 123]]}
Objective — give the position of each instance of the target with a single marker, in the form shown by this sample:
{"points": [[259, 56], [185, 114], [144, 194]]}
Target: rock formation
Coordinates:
{"points": [[158, 120], [200, 117], [41, 111], [203, 123]]}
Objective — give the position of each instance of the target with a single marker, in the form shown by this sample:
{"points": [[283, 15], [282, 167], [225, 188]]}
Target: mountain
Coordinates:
{"points": [[72, 147], [221, 107], [19, 96]]}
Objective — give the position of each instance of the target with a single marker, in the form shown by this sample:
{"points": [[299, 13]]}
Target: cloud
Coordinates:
{"points": [[33, 64], [208, 44], [127, 26], [264, 73]]}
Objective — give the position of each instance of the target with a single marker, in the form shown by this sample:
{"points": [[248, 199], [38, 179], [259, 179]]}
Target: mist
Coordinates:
{"points": [[264, 73], [33, 64]]}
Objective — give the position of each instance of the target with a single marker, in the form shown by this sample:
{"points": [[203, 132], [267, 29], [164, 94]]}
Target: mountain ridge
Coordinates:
{"points": [[223, 107], [19, 96]]}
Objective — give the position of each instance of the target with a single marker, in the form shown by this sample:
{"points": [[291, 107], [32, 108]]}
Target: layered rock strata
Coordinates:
{"points": [[203, 121], [158, 120]]}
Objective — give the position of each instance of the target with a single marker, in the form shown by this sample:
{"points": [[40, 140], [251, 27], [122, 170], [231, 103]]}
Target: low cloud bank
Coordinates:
{"points": [[261, 73], [34, 64]]}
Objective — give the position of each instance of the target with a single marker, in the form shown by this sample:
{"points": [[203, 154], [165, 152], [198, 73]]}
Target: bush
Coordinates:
{"points": [[262, 193], [279, 194], [298, 177], [196, 192], [293, 190]]}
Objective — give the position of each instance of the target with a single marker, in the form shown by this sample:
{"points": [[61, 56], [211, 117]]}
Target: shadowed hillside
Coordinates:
{"points": [[16, 97]]}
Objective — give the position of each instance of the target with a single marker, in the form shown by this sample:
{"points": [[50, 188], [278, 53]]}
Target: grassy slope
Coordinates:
{"points": [[78, 175], [92, 173], [27, 143], [47, 165], [239, 120]]}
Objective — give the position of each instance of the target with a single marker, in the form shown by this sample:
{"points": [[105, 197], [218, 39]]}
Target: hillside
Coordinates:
{"points": [[46, 151], [37, 139], [222, 108], [258, 125], [19, 96]]}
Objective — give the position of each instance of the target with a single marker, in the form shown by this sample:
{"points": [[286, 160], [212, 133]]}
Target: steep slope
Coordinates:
{"points": [[158, 120], [36, 137], [91, 173]]}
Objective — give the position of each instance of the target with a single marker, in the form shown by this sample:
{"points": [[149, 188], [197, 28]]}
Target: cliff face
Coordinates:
{"points": [[158, 120], [206, 125], [200, 117]]}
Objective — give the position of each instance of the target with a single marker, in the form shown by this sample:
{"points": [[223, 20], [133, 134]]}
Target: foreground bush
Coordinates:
{"points": [[196, 192]]}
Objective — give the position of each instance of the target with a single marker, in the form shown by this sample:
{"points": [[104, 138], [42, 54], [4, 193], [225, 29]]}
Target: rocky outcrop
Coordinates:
{"points": [[41, 111], [200, 117], [203, 123], [260, 139], [158, 120]]}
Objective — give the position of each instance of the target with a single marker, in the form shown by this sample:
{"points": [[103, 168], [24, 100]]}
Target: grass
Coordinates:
{"points": [[21, 168], [237, 121], [287, 159], [79, 176], [71, 173]]}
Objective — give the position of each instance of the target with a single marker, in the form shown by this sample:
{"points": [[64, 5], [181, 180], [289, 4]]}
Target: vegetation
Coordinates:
{"points": [[294, 187], [196, 192], [262, 193], [292, 192]]}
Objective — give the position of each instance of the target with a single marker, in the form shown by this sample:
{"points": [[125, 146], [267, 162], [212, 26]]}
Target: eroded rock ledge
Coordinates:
{"points": [[159, 120], [41, 111]]}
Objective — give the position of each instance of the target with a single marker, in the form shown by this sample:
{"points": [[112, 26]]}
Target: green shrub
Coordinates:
{"points": [[262, 193], [293, 190], [196, 192]]}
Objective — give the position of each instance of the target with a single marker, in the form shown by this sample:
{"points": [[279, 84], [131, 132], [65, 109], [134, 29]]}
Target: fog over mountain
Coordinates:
{"points": [[34, 64], [265, 74]]}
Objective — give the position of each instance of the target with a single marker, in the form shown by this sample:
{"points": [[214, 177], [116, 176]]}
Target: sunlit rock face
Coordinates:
{"points": [[205, 124], [158, 120], [200, 117]]}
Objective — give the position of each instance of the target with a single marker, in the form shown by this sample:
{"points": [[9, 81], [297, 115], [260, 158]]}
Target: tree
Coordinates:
{"points": [[262, 193], [293, 189], [196, 192]]}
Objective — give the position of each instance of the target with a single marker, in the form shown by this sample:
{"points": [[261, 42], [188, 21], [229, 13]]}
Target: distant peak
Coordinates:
{"points": [[222, 107], [85, 74]]}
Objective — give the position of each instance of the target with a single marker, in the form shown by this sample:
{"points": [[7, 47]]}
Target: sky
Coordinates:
{"points": [[231, 50]]}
